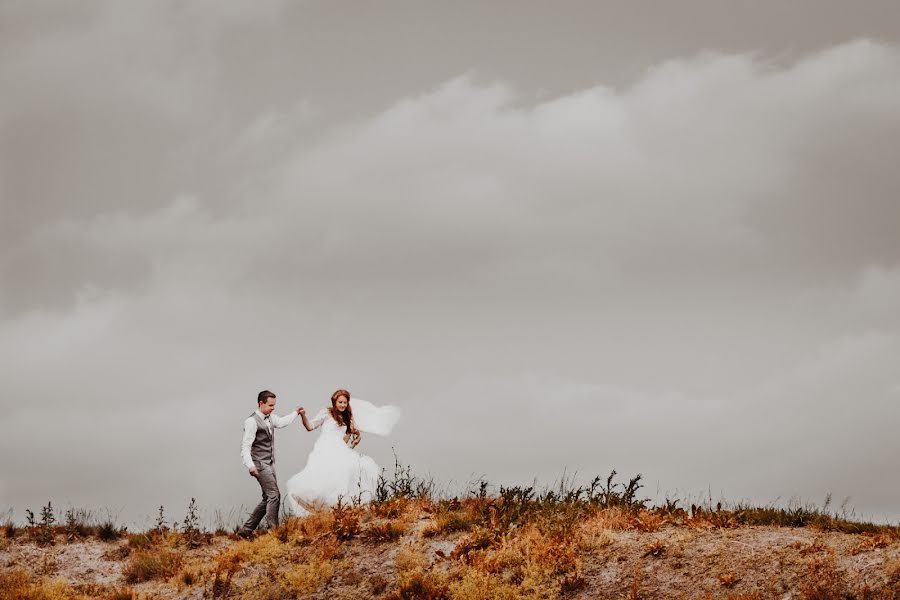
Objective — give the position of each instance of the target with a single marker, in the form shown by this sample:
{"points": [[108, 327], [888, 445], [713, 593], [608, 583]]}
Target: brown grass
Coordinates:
{"points": [[655, 548], [147, 565], [386, 531], [18, 584], [823, 580], [518, 545]]}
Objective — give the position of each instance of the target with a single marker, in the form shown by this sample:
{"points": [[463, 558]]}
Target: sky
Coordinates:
{"points": [[563, 237]]}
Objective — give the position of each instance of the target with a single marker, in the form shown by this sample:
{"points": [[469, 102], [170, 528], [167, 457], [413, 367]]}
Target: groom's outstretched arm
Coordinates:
{"points": [[283, 421]]}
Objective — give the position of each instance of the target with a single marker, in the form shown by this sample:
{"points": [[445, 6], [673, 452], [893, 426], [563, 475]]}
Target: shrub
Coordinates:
{"points": [[108, 532], [346, 521], [307, 578], [191, 532], [44, 534], [420, 585], [77, 523], [161, 527], [388, 531], [19, 585], [146, 565], [140, 541], [448, 522]]}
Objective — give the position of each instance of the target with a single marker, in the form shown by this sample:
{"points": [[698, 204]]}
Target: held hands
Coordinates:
{"points": [[301, 411]]}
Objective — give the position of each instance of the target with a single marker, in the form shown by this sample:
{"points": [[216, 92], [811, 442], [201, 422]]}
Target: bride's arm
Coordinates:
{"points": [[304, 421], [316, 422]]}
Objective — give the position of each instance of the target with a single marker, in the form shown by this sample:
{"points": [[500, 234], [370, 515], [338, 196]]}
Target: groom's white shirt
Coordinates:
{"points": [[250, 431]]}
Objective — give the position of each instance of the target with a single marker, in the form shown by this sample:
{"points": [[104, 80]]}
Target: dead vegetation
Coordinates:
{"points": [[596, 541]]}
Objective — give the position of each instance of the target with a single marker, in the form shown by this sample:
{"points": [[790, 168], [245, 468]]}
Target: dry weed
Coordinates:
{"points": [[346, 521], [813, 547], [823, 581], [146, 565], [386, 531], [648, 521], [655, 548], [420, 585], [614, 518], [410, 558], [392, 509], [592, 536], [19, 585], [308, 578], [477, 585], [872, 542], [448, 522], [728, 580]]}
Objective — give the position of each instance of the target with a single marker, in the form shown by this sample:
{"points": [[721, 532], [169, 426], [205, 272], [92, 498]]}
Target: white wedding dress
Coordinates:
{"points": [[333, 468]]}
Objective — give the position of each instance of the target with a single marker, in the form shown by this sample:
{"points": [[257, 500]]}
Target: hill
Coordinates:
{"points": [[586, 543]]}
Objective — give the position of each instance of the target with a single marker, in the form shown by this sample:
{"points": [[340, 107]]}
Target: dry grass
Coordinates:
{"points": [[824, 581], [310, 577], [448, 521], [156, 563], [520, 544], [873, 542], [655, 548], [385, 531], [18, 584]]}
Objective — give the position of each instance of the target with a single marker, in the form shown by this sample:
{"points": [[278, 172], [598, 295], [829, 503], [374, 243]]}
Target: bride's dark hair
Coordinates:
{"points": [[343, 418]]}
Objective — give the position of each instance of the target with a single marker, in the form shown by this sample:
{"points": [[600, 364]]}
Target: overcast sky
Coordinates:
{"points": [[563, 237]]}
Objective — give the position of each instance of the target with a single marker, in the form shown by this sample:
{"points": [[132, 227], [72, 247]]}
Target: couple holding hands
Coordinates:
{"points": [[334, 469]]}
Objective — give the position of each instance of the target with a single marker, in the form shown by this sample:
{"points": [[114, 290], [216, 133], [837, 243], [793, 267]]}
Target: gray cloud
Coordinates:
{"points": [[692, 273]]}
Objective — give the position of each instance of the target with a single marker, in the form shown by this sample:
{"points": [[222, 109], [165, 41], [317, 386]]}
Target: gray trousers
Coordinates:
{"points": [[271, 499]]}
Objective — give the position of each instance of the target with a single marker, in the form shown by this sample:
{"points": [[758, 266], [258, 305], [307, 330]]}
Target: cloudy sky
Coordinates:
{"points": [[563, 237]]}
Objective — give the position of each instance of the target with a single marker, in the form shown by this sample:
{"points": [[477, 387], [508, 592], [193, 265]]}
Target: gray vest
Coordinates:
{"points": [[263, 448]]}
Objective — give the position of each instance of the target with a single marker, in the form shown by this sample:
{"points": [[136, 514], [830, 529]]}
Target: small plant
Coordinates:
{"points": [[161, 526], [220, 586], [482, 491], [9, 527], [872, 542], [571, 584], [387, 531], [76, 524], [45, 535], [108, 532], [140, 541], [146, 565], [655, 548], [346, 521], [29, 518], [448, 522], [191, 527], [403, 485], [728, 580]]}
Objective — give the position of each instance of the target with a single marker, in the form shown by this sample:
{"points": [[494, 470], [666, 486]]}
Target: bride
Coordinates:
{"points": [[334, 468]]}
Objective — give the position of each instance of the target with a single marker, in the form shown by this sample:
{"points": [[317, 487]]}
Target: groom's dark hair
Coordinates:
{"points": [[264, 396]]}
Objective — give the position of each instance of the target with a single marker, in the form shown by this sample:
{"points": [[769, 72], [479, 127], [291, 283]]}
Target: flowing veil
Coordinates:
{"points": [[369, 418]]}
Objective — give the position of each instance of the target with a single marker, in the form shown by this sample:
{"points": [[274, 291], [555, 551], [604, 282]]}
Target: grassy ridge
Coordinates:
{"points": [[518, 543]]}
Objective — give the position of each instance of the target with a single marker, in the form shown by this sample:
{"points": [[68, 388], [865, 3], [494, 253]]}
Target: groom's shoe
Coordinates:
{"points": [[245, 533]]}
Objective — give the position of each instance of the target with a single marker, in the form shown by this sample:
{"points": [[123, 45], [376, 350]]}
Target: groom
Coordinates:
{"points": [[258, 454]]}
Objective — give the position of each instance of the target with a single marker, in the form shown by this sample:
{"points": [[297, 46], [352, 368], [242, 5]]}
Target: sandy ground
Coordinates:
{"points": [[688, 563]]}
